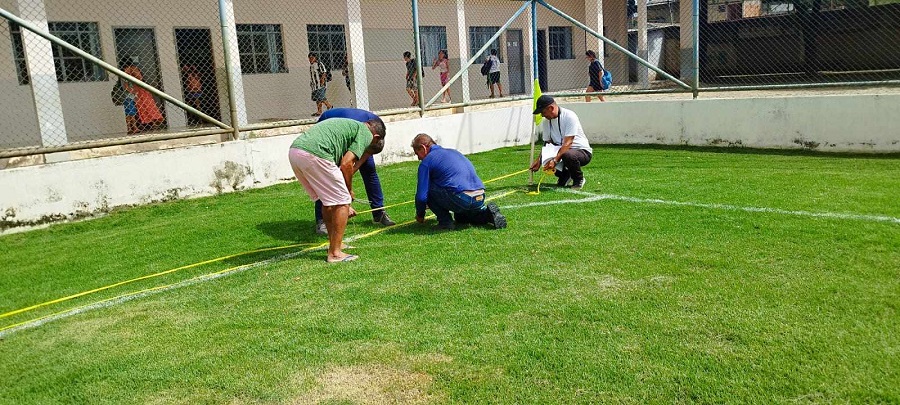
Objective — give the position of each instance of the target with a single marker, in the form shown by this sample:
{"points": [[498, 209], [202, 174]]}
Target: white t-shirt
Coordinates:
{"points": [[566, 124], [495, 63]]}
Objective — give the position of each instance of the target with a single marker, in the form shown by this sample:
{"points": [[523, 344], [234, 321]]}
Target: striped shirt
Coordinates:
{"points": [[316, 70]]}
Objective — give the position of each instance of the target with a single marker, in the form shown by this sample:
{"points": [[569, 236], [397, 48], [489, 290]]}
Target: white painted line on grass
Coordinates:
{"points": [[591, 197], [145, 293]]}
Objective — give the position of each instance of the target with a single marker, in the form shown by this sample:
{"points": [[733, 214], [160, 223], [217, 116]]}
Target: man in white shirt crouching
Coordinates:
{"points": [[562, 128]]}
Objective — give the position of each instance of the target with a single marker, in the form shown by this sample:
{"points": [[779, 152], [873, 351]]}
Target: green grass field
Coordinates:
{"points": [[678, 275]]}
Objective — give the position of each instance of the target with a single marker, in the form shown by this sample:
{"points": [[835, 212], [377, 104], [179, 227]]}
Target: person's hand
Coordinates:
{"points": [[550, 166], [352, 213], [536, 165], [420, 219]]}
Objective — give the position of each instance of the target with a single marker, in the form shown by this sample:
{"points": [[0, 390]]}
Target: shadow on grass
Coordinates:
{"points": [[294, 231], [754, 151], [253, 258]]}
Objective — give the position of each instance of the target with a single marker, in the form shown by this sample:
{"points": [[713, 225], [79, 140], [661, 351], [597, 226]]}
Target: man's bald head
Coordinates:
{"points": [[422, 144]]}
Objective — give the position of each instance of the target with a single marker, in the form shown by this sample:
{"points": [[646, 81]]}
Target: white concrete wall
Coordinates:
{"points": [[856, 123], [68, 189], [852, 123]]}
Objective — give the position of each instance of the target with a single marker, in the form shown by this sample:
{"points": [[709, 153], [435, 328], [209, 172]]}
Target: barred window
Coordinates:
{"points": [[560, 39], [328, 43], [261, 48], [69, 66], [433, 39], [478, 36]]}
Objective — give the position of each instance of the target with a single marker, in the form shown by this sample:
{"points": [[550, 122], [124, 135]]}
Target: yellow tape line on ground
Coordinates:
{"points": [[162, 287], [219, 259], [162, 273], [146, 290]]}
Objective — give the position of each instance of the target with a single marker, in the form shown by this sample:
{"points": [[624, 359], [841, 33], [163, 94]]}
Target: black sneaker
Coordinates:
{"points": [[497, 219], [320, 228], [384, 220], [578, 185]]}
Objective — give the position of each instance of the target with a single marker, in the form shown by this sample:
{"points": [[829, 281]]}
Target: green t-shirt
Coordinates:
{"points": [[332, 138]]}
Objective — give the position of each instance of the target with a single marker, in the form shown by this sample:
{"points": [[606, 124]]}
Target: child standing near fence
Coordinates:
{"points": [[443, 66]]}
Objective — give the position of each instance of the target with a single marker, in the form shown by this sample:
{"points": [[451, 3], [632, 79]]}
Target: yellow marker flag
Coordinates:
{"points": [[537, 93]]}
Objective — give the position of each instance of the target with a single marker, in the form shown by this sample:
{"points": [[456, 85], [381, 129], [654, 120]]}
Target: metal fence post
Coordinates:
{"points": [[534, 82], [418, 41], [224, 11], [696, 34]]}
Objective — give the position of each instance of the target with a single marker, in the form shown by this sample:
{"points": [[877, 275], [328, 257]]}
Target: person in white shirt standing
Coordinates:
{"points": [[562, 128], [494, 75]]}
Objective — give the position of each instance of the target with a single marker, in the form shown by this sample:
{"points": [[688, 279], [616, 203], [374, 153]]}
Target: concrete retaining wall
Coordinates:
{"points": [[853, 123], [40, 194]]}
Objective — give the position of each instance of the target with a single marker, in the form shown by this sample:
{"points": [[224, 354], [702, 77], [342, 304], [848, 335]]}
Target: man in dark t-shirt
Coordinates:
{"points": [[595, 74], [412, 78]]}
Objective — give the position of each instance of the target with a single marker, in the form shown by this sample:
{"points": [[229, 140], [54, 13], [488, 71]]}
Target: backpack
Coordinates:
{"points": [[327, 75], [606, 80], [486, 67], [118, 93]]}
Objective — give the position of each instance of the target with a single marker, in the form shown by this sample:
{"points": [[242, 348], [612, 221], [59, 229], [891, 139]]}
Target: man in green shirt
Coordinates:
{"points": [[324, 159]]}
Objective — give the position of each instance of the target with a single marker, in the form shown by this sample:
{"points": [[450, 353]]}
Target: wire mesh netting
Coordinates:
{"points": [[754, 42], [54, 97], [291, 60]]}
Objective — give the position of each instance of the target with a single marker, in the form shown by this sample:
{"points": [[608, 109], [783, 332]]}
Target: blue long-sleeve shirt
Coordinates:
{"points": [[448, 169], [355, 114]]}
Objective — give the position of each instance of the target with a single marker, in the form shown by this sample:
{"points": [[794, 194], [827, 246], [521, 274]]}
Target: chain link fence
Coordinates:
{"points": [[755, 42], [286, 62], [55, 97]]}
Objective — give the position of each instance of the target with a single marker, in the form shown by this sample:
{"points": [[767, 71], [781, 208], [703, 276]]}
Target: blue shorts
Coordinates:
{"points": [[130, 107], [319, 95]]}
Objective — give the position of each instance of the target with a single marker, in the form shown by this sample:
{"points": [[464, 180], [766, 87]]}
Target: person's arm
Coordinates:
{"points": [[348, 167], [362, 160], [130, 87], [322, 74], [422, 191], [566, 144]]}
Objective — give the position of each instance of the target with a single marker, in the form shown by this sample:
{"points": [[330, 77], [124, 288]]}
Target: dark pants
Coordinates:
{"points": [[467, 209], [572, 161], [373, 189]]}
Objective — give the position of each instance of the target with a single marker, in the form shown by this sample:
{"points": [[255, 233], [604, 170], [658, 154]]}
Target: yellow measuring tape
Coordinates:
{"points": [[538, 190], [230, 269], [162, 273]]}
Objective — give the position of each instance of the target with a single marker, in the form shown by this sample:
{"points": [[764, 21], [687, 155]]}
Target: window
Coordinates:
{"points": [[328, 43], [261, 48], [69, 66], [560, 43], [433, 40], [478, 36]]}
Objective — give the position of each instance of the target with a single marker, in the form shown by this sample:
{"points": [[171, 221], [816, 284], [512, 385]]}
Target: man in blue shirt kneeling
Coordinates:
{"points": [[448, 183]]}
